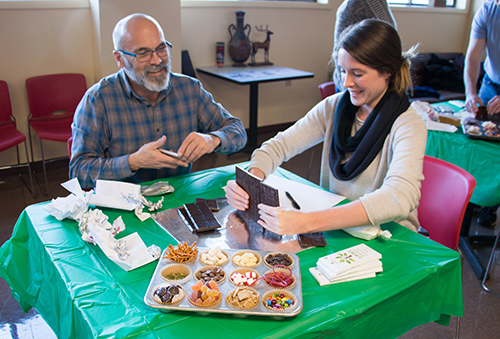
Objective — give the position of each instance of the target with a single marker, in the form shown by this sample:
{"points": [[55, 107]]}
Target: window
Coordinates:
{"points": [[425, 3]]}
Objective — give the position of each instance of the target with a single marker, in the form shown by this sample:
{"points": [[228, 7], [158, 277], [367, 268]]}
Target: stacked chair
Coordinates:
{"points": [[52, 102], [10, 136]]}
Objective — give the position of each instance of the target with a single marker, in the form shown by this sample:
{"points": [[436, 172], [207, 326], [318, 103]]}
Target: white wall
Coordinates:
{"points": [[42, 41]]}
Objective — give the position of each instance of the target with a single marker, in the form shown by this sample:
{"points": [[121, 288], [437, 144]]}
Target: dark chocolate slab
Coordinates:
{"points": [[202, 217], [186, 219], [259, 192], [312, 239], [213, 204]]}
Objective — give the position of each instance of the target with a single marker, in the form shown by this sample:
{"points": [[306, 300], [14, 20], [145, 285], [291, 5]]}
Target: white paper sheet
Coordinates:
{"points": [[309, 198], [111, 194]]}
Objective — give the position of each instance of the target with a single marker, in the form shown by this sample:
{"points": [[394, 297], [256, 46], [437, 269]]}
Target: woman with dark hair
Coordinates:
{"points": [[374, 141], [351, 12]]}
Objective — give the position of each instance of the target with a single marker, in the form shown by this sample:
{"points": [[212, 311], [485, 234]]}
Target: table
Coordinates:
{"points": [[82, 294], [253, 76], [481, 159]]}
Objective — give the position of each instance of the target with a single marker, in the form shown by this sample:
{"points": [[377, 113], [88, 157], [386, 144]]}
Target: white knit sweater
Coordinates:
{"points": [[389, 188]]}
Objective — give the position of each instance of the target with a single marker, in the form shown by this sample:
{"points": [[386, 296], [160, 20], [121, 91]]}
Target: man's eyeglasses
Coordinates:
{"points": [[146, 55]]}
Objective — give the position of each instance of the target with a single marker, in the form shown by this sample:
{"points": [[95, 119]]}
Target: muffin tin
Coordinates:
{"points": [[474, 130], [227, 287]]}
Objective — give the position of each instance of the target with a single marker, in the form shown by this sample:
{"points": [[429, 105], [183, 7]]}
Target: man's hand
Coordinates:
{"points": [[493, 106], [471, 103], [196, 145], [149, 156]]}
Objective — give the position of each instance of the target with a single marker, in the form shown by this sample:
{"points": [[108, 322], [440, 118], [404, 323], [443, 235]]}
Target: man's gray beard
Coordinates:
{"points": [[154, 84]]}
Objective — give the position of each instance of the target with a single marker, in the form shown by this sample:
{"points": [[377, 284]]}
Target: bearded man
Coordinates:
{"points": [[125, 120]]}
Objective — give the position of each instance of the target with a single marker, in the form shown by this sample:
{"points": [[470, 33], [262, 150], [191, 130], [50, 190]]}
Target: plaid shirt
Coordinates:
{"points": [[112, 121]]}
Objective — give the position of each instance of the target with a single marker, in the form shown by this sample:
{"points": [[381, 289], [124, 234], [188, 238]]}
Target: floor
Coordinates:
{"points": [[481, 309]]}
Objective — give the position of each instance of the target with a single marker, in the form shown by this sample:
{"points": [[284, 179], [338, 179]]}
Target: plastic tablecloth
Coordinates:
{"points": [[82, 294], [480, 158]]}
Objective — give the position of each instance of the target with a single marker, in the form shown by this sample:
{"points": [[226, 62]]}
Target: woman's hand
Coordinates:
{"points": [[282, 220], [236, 196]]}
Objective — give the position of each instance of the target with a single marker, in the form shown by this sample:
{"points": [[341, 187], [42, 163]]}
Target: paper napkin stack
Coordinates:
{"points": [[354, 263]]}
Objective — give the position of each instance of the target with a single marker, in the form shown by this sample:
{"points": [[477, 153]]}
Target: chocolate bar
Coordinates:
{"points": [[259, 192], [212, 203], [316, 239], [183, 214], [201, 217]]}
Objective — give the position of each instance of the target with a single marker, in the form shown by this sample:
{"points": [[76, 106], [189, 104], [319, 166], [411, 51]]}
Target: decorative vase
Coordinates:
{"points": [[239, 46]]}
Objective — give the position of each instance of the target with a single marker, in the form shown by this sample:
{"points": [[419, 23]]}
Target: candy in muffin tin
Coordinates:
{"points": [[480, 133], [225, 288]]}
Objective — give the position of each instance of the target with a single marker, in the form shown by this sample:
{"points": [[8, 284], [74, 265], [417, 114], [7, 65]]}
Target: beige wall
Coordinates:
{"points": [[41, 41], [303, 39], [37, 42]]}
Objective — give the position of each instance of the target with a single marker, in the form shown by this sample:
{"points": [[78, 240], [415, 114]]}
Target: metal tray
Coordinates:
{"points": [[226, 287], [479, 134]]}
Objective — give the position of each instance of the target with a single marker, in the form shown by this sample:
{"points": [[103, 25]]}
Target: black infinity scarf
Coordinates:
{"points": [[368, 141]]}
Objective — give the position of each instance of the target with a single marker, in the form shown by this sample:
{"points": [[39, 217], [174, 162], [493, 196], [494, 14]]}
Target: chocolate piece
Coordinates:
{"points": [[202, 218], [213, 204], [173, 289], [216, 274], [279, 259], [259, 192], [312, 239], [482, 113], [187, 220]]}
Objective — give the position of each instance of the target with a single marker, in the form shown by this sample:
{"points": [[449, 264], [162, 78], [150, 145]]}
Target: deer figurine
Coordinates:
{"points": [[264, 45]]}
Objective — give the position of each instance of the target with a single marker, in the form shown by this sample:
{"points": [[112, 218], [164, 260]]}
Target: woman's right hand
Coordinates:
{"points": [[236, 196]]}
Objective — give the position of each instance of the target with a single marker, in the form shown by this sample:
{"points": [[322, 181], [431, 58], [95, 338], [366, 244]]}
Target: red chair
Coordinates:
{"points": [[9, 135], [52, 102], [445, 194], [326, 89]]}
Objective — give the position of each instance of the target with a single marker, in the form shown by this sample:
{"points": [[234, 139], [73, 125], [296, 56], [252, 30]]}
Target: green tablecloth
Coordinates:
{"points": [[478, 157], [82, 294]]}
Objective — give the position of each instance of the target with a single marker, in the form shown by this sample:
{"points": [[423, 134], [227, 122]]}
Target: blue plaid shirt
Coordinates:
{"points": [[112, 122]]}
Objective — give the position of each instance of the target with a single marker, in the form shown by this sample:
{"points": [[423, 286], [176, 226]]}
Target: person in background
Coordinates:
{"points": [[484, 37], [374, 141], [123, 121], [354, 11]]}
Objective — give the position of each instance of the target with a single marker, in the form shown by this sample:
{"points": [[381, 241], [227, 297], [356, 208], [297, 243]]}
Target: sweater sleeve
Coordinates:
{"points": [[399, 194], [304, 134]]}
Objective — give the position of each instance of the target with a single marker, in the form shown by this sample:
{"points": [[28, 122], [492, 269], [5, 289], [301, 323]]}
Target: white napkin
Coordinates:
{"points": [[464, 115], [136, 252], [439, 126], [73, 206]]}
